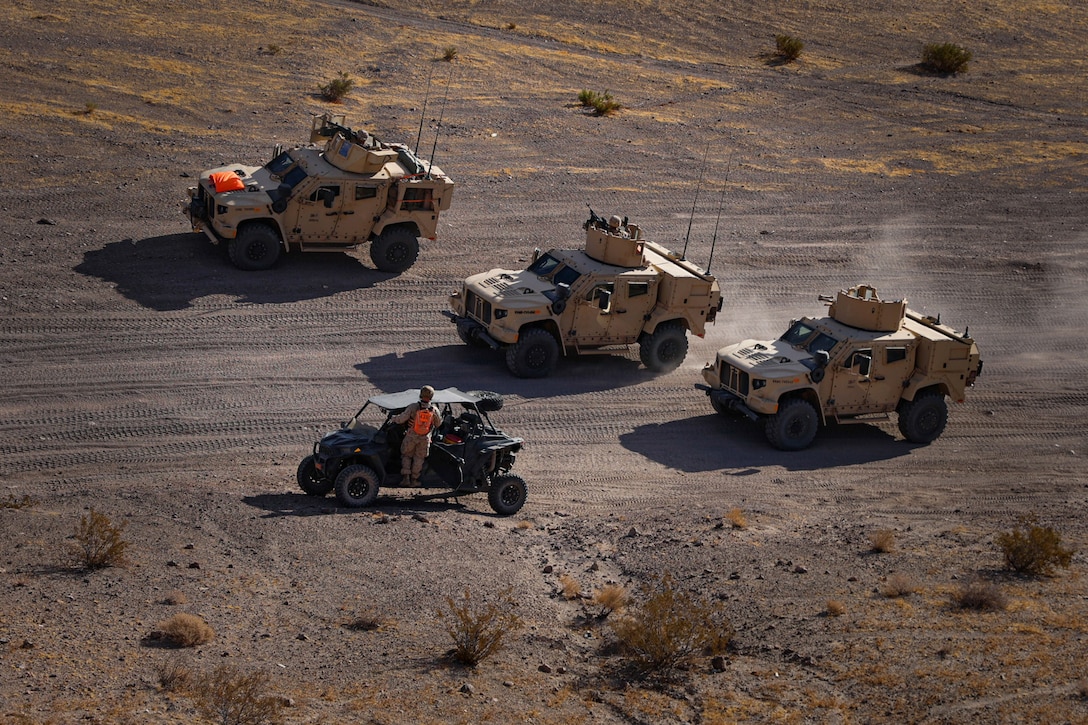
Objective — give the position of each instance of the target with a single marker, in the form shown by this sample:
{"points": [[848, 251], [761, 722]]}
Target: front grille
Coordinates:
{"points": [[734, 380], [478, 308]]}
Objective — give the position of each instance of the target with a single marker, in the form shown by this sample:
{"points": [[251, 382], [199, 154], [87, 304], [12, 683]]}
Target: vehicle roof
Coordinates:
{"points": [[404, 398]]}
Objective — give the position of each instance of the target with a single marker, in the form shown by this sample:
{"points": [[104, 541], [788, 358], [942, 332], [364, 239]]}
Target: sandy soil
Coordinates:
{"points": [[147, 379]]}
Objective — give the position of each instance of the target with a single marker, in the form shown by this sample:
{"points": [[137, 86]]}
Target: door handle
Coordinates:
{"points": [[878, 377], [347, 213]]}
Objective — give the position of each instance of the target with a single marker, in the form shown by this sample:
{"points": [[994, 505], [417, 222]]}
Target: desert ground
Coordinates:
{"points": [[148, 380]]}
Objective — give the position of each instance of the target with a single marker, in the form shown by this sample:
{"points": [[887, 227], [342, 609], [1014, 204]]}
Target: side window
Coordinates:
{"points": [[416, 198], [595, 292], [896, 354], [327, 194], [637, 289], [862, 361], [365, 192]]}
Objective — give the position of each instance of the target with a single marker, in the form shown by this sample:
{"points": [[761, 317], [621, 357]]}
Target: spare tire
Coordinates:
{"points": [[488, 402]]}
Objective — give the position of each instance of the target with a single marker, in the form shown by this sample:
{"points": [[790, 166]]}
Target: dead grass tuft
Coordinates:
{"points": [[612, 598], [335, 90], [899, 585], [980, 595], [835, 608], [788, 47], [13, 502], [882, 541], [186, 630], [449, 53], [366, 622], [175, 597], [569, 587], [737, 519]]}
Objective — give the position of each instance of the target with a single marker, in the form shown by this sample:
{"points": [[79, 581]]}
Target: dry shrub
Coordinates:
{"points": [[479, 629], [980, 595], [1033, 549], [788, 47], [899, 585], [602, 103], [229, 697], [882, 541], [13, 502], [569, 587], [174, 675], [186, 630], [612, 598], [449, 53], [835, 608], [737, 519], [335, 90], [98, 542], [365, 622], [669, 628], [945, 58]]}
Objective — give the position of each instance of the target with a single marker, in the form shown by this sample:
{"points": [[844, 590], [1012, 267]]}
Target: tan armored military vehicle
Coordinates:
{"points": [[621, 289], [343, 189], [867, 358]]}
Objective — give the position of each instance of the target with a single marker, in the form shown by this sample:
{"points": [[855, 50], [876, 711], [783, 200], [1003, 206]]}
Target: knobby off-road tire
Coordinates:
{"points": [[489, 401], [357, 486], [311, 480], [256, 247], [665, 348], [718, 406], [534, 355], [395, 250], [794, 426], [507, 494], [923, 419]]}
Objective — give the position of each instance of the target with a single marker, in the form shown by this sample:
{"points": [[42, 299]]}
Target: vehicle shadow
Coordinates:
{"points": [[715, 442], [169, 272], [397, 503], [474, 368]]}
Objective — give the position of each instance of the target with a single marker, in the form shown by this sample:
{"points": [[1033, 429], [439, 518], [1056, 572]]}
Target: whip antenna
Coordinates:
{"points": [[423, 113], [702, 170], [721, 202], [441, 115]]}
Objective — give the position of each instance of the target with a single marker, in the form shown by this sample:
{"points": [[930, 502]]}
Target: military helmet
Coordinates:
{"points": [[615, 222], [426, 392]]}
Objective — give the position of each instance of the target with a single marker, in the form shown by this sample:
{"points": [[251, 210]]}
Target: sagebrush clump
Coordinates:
{"points": [[1033, 549], [335, 90], [669, 628], [945, 58], [230, 697], [882, 541], [99, 542], [478, 629]]}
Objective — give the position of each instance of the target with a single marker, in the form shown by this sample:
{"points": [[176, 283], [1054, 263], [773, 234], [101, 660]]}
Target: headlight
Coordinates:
{"points": [[500, 314], [759, 384]]}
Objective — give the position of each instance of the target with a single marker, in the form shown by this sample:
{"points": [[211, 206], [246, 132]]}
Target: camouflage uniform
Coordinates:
{"points": [[415, 446]]}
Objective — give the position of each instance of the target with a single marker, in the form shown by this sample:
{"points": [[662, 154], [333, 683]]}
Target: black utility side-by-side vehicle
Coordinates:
{"points": [[468, 453]]}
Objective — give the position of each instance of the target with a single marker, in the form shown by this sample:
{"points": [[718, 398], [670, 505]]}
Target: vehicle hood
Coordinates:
{"points": [[256, 179], [766, 358], [510, 289]]}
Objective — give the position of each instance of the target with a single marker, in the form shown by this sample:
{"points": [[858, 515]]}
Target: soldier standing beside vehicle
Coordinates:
{"points": [[421, 419]]}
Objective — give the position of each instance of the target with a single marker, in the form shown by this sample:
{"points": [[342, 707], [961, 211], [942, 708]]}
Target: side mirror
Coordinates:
{"points": [[536, 255]]}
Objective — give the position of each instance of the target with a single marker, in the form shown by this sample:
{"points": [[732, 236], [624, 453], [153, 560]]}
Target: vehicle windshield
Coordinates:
{"points": [[280, 164], [544, 266], [805, 336]]}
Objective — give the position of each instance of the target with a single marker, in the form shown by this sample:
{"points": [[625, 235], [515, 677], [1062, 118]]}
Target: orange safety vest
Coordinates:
{"points": [[422, 424]]}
